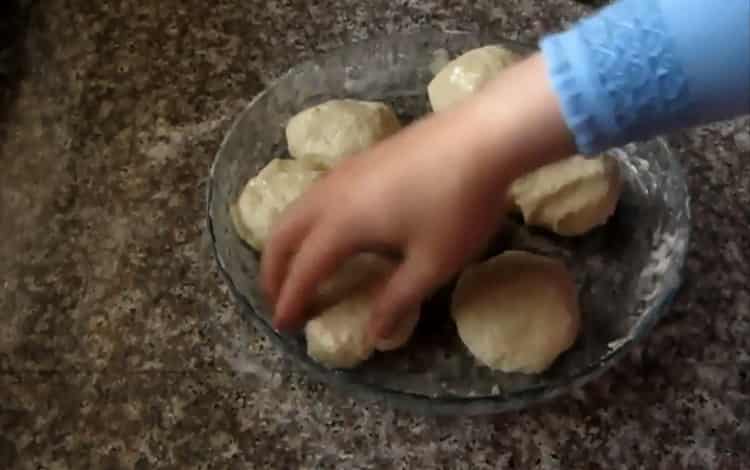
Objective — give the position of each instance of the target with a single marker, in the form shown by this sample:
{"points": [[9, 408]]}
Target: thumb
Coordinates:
{"points": [[406, 288]]}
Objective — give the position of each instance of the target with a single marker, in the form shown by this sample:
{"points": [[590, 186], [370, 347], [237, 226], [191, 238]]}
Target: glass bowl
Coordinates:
{"points": [[627, 271]]}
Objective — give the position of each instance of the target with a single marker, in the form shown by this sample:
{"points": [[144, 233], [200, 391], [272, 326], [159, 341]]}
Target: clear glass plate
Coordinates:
{"points": [[627, 271]]}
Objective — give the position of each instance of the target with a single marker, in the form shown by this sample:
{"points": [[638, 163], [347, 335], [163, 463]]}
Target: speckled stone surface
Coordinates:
{"points": [[119, 345]]}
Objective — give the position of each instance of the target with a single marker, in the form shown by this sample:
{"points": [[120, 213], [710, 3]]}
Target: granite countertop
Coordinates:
{"points": [[118, 340]]}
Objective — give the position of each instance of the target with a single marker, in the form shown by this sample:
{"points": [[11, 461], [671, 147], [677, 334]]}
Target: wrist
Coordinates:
{"points": [[517, 123]]}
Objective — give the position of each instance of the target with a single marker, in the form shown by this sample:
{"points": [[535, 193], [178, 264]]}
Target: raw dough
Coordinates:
{"points": [[328, 133], [337, 335], [267, 194], [466, 74], [569, 197], [517, 311]]}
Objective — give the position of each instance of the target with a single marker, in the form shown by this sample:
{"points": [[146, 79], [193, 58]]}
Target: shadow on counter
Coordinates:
{"points": [[14, 21]]}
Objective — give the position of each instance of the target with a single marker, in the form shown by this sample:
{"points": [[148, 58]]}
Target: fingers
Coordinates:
{"points": [[412, 281], [279, 251], [319, 256]]}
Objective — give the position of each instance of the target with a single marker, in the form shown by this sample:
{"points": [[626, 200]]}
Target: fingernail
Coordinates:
{"points": [[380, 332], [279, 324], [269, 293], [286, 324]]}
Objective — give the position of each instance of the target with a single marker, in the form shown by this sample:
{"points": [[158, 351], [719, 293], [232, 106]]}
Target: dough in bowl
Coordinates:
{"points": [[328, 133], [569, 197], [466, 74], [267, 194], [337, 335], [516, 312]]}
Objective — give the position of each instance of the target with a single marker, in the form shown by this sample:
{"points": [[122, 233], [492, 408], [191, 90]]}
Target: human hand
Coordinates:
{"points": [[432, 194]]}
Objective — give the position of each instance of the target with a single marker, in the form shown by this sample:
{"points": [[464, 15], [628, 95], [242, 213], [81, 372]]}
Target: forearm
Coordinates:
{"points": [[588, 91], [644, 67]]}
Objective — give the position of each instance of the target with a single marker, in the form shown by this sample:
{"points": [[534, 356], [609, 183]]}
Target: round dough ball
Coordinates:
{"points": [[330, 132], [517, 311], [363, 268], [337, 335], [266, 196], [569, 197], [466, 74]]}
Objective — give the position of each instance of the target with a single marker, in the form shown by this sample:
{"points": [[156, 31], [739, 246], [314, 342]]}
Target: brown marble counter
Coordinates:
{"points": [[119, 345]]}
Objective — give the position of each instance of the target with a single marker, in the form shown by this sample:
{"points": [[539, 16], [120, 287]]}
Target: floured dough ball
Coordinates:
{"points": [[468, 73], [328, 133], [517, 311], [267, 194], [569, 197], [337, 335]]}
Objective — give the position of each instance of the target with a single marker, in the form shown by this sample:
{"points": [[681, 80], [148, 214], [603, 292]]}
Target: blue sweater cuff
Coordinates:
{"points": [[643, 67]]}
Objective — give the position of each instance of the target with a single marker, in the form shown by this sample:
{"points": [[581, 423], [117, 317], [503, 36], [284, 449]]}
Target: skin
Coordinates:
{"points": [[432, 195]]}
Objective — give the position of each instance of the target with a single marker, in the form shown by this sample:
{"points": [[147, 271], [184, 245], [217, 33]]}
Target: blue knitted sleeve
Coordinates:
{"points": [[644, 67]]}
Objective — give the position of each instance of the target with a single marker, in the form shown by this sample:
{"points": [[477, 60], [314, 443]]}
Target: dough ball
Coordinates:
{"points": [[337, 335], [517, 311], [569, 197], [328, 133], [267, 194], [466, 74]]}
